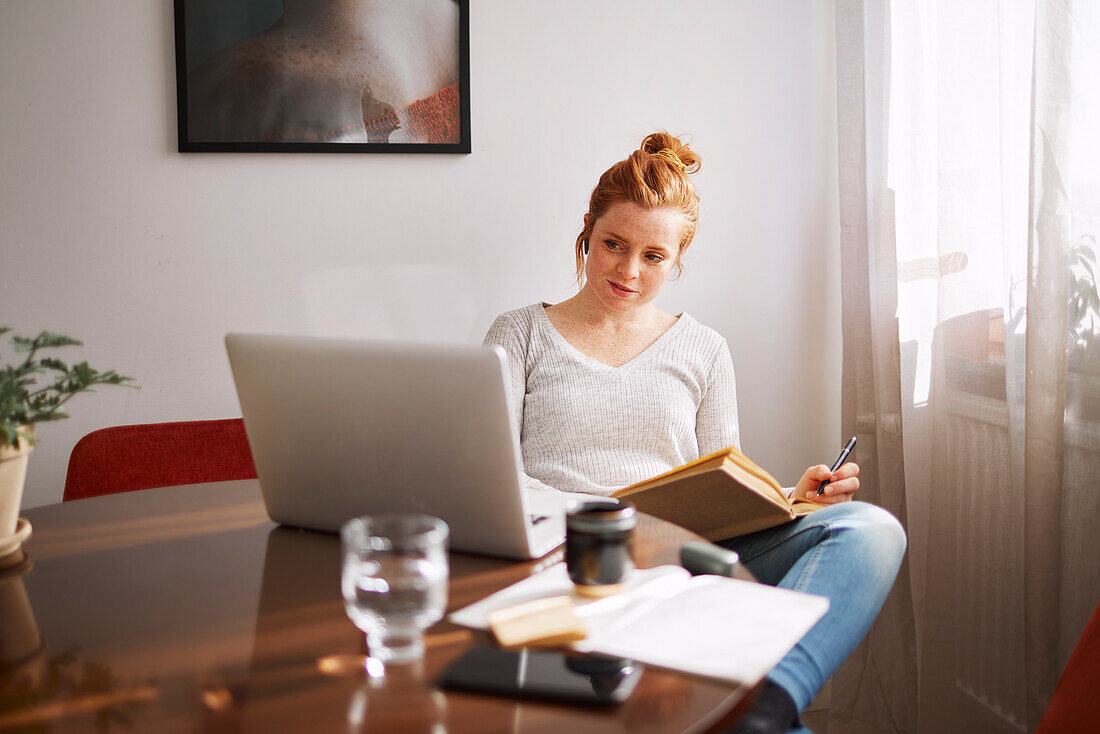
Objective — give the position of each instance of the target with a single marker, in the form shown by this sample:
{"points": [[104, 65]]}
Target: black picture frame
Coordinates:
{"points": [[199, 26]]}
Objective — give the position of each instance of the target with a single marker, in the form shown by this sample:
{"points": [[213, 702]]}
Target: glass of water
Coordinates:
{"points": [[394, 582]]}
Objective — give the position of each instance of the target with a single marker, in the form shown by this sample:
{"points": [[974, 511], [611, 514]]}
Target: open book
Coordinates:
{"points": [[718, 496], [712, 626]]}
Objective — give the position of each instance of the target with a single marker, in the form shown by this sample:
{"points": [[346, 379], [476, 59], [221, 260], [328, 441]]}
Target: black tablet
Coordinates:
{"points": [[543, 674]]}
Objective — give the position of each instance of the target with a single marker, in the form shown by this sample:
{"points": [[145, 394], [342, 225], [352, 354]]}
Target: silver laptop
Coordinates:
{"points": [[340, 428]]}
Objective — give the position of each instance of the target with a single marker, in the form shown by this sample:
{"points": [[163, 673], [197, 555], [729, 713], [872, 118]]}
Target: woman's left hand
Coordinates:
{"points": [[843, 483]]}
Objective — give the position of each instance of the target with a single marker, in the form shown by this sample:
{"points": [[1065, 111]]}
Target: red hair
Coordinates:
{"points": [[655, 175]]}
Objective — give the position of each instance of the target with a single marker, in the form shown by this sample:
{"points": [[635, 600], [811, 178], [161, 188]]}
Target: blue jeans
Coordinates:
{"points": [[849, 552]]}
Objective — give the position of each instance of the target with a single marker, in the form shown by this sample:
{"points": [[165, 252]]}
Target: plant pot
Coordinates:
{"points": [[22, 650], [13, 473]]}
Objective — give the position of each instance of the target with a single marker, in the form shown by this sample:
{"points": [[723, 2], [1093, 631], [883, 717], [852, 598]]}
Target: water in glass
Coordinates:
{"points": [[395, 596], [394, 581]]}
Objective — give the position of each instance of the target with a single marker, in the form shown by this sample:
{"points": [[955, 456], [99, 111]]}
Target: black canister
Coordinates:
{"points": [[599, 545]]}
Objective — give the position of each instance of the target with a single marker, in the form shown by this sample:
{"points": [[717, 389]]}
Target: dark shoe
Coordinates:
{"points": [[773, 713]]}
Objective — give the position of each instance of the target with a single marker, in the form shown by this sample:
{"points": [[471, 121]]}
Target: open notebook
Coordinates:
{"points": [[711, 626], [721, 495]]}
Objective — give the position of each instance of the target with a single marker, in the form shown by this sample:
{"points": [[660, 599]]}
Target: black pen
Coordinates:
{"points": [[839, 461]]}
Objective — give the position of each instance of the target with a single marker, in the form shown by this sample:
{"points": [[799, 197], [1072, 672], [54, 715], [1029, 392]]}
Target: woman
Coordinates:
{"points": [[608, 390]]}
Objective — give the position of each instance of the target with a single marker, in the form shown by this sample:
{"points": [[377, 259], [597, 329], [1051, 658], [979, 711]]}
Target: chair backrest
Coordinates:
{"points": [[1072, 708], [128, 458]]}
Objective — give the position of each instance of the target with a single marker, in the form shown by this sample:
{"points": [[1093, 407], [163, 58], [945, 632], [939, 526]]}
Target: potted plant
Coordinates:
{"points": [[1083, 333], [34, 389]]}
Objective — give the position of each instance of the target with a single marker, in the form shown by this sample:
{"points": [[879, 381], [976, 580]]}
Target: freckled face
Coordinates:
{"points": [[631, 252]]}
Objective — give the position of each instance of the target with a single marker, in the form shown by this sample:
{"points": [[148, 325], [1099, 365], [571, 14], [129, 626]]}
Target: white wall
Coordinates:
{"points": [[149, 256]]}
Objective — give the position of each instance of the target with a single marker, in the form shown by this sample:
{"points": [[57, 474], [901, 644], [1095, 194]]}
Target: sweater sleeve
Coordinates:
{"points": [[513, 338], [716, 420]]}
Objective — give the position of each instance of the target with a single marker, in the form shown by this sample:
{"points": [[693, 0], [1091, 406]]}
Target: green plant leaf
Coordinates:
{"points": [[25, 401], [11, 432], [51, 339], [1088, 269], [54, 364], [57, 414]]}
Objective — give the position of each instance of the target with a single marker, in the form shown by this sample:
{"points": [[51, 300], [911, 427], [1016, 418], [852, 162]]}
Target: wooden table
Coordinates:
{"points": [[186, 609]]}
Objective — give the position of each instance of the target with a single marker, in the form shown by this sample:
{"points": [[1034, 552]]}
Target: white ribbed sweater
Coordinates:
{"points": [[588, 427]]}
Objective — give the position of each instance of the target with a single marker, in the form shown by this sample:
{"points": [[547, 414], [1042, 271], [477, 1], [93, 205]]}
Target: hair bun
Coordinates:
{"points": [[678, 154]]}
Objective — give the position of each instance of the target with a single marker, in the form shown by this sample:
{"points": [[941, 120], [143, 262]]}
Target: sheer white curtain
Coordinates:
{"points": [[970, 191]]}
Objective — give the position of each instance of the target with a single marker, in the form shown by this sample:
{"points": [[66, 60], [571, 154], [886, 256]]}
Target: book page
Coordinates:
{"points": [[758, 479], [712, 505], [750, 466]]}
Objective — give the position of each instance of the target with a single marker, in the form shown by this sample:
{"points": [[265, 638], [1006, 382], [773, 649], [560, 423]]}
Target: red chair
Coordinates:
{"points": [[128, 458], [1072, 708]]}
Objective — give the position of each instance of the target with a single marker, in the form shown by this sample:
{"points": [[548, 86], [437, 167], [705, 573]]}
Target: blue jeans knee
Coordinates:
{"points": [[850, 553]]}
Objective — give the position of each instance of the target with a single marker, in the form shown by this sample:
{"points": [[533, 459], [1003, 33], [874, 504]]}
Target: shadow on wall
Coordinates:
{"points": [[422, 303]]}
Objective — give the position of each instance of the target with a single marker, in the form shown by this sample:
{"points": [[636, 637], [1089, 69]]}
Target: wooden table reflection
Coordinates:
{"points": [[186, 609]]}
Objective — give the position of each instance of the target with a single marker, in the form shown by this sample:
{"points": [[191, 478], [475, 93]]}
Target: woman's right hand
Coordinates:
{"points": [[843, 483]]}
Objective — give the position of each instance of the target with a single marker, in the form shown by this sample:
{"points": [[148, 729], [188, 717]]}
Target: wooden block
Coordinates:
{"points": [[540, 623]]}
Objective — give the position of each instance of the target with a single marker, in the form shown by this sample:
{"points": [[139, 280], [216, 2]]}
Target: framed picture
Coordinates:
{"points": [[318, 76]]}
